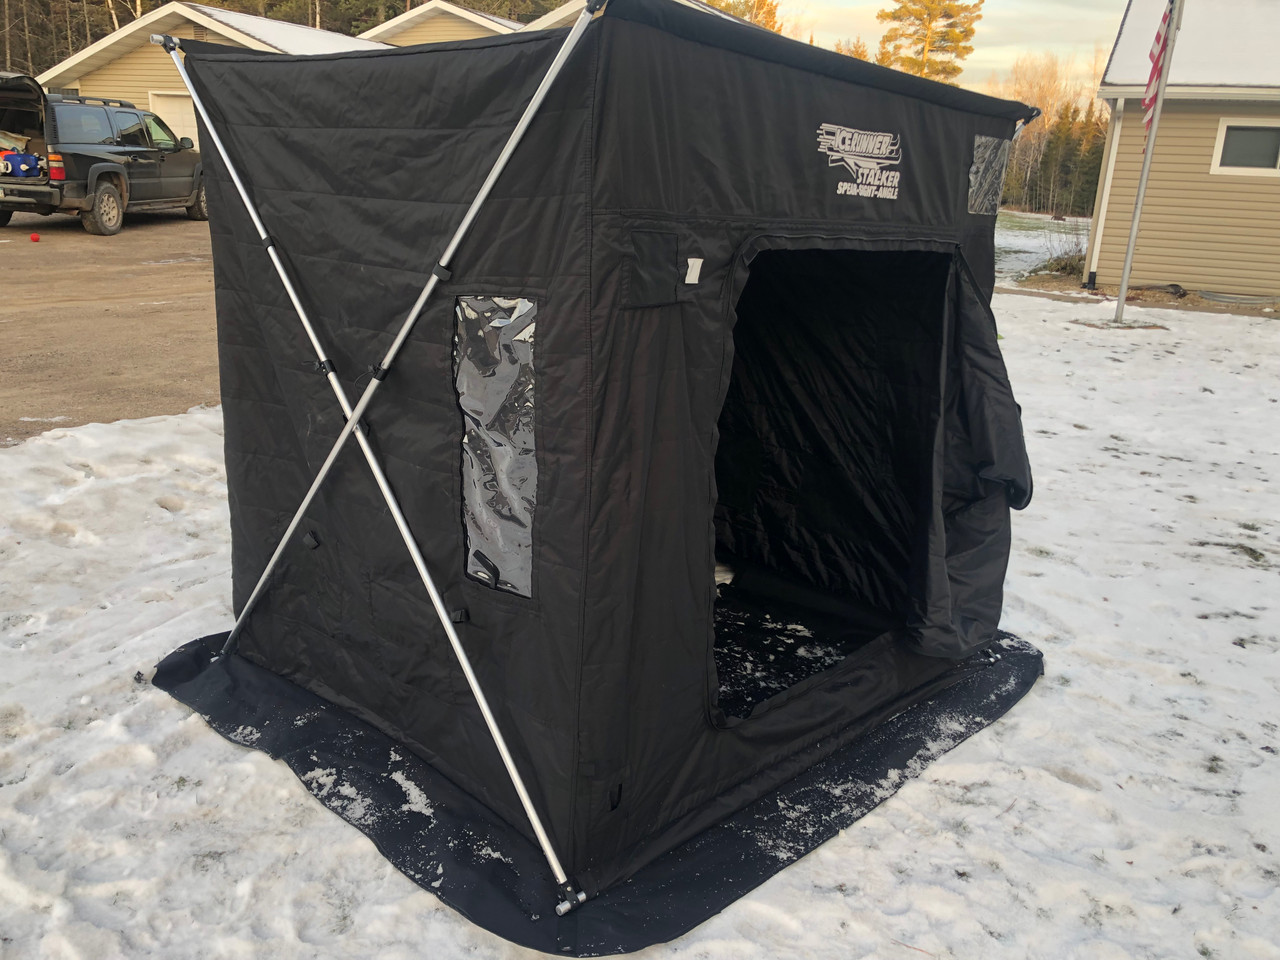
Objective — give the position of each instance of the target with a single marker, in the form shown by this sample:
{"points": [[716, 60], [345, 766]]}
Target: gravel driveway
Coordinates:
{"points": [[96, 329]]}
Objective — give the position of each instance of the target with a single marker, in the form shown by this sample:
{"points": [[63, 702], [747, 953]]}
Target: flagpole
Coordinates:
{"points": [[1175, 24]]}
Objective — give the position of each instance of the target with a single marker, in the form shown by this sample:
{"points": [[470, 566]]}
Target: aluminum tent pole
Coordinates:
{"points": [[571, 896]]}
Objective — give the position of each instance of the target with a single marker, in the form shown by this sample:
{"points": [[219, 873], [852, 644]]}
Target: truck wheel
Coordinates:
{"points": [[199, 209], [106, 216], [5, 217]]}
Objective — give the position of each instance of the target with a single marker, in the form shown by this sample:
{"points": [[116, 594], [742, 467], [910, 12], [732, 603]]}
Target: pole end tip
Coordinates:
{"points": [[169, 43], [572, 898]]}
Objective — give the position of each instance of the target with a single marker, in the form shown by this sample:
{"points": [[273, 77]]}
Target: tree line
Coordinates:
{"points": [[1055, 161]]}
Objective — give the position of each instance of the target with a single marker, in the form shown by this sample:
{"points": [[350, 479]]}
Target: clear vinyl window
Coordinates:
{"points": [[986, 176], [494, 378]]}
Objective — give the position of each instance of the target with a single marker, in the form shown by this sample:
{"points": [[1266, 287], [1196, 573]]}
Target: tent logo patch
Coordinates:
{"points": [[867, 155]]}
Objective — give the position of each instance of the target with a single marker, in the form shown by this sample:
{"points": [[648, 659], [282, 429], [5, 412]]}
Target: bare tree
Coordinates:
{"points": [[855, 48], [26, 35]]}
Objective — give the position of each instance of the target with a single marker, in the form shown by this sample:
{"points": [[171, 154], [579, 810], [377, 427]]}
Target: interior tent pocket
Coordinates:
{"points": [[494, 377]]}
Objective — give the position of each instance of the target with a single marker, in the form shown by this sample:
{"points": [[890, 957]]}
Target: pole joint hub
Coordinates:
{"points": [[571, 897]]}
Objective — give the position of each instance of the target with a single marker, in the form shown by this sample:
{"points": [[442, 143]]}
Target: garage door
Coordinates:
{"points": [[175, 109]]}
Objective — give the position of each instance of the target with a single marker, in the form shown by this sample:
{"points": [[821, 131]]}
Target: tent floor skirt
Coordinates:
{"points": [[498, 879]]}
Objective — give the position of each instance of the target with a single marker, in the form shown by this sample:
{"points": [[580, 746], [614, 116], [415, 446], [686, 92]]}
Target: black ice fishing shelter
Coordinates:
{"points": [[725, 314]]}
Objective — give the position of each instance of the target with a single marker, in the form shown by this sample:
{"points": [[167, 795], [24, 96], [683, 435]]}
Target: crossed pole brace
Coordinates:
{"points": [[570, 896]]}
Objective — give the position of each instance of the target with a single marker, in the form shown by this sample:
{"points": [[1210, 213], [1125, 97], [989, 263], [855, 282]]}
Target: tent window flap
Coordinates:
{"points": [[494, 378]]}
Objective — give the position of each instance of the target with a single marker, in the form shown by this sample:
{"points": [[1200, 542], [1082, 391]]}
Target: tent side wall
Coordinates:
{"points": [[680, 177], [359, 225]]}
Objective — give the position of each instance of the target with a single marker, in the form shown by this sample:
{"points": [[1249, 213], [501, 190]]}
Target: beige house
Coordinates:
{"points": [[1211, 218], [125, 65], [439, 21]]}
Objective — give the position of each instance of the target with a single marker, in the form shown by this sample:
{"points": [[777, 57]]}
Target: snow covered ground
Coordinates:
{"points": [[1026, 240], [1126, 808]]}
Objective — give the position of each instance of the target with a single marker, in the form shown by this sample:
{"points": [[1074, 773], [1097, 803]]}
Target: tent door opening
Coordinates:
{"points": [[824, 461]]}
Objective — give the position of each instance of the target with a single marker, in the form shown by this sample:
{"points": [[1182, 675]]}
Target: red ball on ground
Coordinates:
{"points": [[35, 238]]}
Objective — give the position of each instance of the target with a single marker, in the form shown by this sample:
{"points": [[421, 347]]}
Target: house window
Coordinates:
{"points": [[1247, 147]]}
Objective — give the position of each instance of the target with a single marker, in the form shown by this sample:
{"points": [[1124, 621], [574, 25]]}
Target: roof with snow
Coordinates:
{"points": [[256, 33], [436, 8], [284, 36], [1225, 49]]}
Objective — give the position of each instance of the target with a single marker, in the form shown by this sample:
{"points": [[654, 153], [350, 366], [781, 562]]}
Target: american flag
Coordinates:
{"points": [[1159, 53]]}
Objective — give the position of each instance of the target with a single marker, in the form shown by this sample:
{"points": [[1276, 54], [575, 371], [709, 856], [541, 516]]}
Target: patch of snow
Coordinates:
{"points": [[1026, 240], [488, 851], [417, 800], [320, 780]]}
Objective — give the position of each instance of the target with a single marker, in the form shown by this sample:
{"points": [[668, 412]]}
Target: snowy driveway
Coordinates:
{"points": [[1126, 808]]}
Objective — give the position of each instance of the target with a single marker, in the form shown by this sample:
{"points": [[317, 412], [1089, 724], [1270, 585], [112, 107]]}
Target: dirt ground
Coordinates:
{"points": [[1070, 285], [95, 329]]}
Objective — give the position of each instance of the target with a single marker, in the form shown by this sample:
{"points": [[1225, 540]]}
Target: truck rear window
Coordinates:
{"points": [[78, 123]]}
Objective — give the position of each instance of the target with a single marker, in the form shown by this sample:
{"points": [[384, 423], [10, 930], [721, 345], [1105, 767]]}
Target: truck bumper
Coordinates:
{"points": [[38, 198]]}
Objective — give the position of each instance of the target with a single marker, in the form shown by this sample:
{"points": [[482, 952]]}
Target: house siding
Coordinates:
{"points": [[133, 75], [147, 69], [1203, 231], [441, 28]]}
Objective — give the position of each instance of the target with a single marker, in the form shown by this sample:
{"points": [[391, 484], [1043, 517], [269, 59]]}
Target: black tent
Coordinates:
{"points": [[703, 433]]}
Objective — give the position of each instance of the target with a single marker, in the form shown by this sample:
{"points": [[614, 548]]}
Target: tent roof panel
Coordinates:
{"points": [[753, 41]]}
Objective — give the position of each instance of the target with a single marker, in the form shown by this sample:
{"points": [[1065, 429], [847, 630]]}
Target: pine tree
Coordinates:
{"points": [[763, 13], [887, 53], [855, 48], [929, 37]]}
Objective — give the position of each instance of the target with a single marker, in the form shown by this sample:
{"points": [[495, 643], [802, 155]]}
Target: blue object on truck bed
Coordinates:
{"points": [[19, 165]]}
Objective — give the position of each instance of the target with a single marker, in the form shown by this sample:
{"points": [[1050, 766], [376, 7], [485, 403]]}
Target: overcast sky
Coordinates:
{"points": [[1008, 29]]}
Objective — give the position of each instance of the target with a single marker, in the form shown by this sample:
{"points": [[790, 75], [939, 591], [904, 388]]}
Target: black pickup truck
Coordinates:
{"points": [[91, 156]]}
